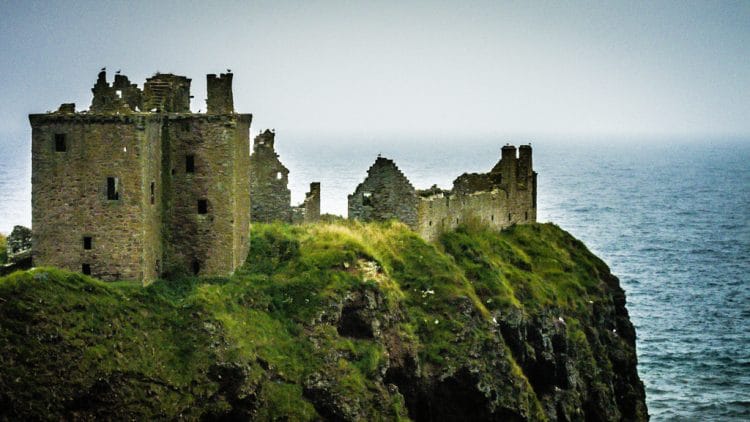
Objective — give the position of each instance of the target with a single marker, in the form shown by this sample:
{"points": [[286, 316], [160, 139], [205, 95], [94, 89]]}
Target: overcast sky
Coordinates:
{"points": [[420, 67]]}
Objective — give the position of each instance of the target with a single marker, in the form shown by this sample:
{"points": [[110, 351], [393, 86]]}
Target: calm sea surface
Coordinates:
{"points": [[671, 219]]}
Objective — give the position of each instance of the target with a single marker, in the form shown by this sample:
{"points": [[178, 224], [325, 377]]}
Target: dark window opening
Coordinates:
{"points": [[113, 187], [367, 198], [173, 172], [492, 217], [196, 266], [86, 269], [87, 242], [202, 206], [157, 267], [190, 163], [152, 193], [60, 145], [456, 220], [509, 218], [526, 215], [430, 222]]}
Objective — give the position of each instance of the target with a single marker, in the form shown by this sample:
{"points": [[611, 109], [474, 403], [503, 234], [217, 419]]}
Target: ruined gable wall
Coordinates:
{"points": [[385, 194], [270, 196], [69, 193], [205, 239]]}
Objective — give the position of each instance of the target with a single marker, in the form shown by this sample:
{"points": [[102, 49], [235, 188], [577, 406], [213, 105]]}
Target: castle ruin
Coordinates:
{"points": [[139, 186], [504, 196], [271, 198]]}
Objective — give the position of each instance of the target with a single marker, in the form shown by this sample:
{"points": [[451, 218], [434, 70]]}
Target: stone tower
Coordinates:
{"points": [[140, 187]]}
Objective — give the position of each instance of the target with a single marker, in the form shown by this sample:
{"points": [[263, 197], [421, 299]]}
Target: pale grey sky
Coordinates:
{"points": [[414, 67]]}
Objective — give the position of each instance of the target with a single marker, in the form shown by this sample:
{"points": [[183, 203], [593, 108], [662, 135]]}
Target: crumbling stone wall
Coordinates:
{"points": [[112, 194], [309, 210], [384, 194], [270, 197], [504, 196]]}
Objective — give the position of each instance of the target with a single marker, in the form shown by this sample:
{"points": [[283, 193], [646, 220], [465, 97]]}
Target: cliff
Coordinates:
{"points": [[341, 321]]}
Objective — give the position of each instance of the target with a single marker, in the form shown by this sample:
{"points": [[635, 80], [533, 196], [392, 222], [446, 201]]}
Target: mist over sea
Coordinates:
{"points": [[670, 217]]}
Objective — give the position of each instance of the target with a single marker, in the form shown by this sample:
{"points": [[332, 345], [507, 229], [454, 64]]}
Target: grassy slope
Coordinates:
{"points": [[203, 345]]}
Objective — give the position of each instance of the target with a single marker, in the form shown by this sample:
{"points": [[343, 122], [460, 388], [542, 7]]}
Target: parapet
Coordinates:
{"points": [[220, 99], [121, 96]]}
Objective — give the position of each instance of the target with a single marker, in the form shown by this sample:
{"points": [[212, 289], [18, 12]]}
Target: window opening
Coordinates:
{"points": [[118, 93], [509, 217], [278, 175], [87, 242], [152, 193], [196, 266], [190, 163], [113, 188], [367, 198], [60, 144], [202, 206], [86, 269]]}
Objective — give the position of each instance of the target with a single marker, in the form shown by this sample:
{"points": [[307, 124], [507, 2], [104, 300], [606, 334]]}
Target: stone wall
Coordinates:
{"points": [[504, 196], [207, 156], [270, 196], [73, 156], [309, 210], [384, 194]]}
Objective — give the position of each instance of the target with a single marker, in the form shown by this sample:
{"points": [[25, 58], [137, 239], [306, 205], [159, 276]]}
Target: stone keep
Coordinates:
{"points": [[140, 187], [504, 196]]}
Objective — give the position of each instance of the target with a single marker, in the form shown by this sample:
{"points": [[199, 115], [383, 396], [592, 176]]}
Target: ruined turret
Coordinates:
{"points": [[220, 99]]}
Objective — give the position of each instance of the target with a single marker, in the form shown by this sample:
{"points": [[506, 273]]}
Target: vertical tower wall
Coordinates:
{"points": [[220, 99], [70, 194], [210, 241]]}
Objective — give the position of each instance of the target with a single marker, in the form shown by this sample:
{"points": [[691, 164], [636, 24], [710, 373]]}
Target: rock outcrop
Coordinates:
{"points": [[343, 321]]}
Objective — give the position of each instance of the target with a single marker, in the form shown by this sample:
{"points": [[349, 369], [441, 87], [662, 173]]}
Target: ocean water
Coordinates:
{"points": [[670, 217]]}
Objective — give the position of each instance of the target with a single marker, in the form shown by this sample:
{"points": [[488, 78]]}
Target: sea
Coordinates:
{"points": [[670, 216]]}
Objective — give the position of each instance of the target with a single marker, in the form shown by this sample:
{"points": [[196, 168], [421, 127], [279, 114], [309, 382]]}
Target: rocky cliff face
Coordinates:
{"points": [[333, 322]]}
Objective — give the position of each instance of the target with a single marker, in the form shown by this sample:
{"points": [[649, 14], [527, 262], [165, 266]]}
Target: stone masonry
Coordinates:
{"points": [[140, 187], [385, 194], [269, 178], [504, 196]]}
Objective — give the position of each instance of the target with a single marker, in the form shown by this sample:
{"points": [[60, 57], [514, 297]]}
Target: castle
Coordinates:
{"points": [[139, 187], [504, 196]]}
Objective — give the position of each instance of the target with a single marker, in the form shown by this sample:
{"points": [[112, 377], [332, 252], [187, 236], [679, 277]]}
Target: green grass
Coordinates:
{"points": [[63, 333]]}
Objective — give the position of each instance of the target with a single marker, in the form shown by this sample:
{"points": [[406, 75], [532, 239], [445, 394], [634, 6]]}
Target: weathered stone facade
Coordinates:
{"points": [[268, 182], [504, 196], [384, 194], [140, 187], [269, 178], [309, 210]]}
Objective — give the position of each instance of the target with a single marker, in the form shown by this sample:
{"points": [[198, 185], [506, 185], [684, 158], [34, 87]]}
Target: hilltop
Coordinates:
{"points": [[335, 321]]}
